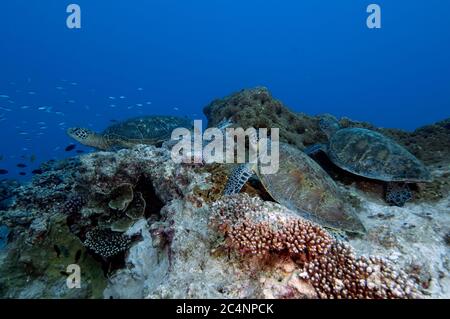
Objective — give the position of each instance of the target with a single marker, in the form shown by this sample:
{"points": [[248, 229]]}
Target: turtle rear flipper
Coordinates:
{"points": [[239, 176], [398, 194]]}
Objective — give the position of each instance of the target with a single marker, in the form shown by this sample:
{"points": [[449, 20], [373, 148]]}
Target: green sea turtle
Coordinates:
{"points": [[372, 155], [149, 130], [303, 186]]}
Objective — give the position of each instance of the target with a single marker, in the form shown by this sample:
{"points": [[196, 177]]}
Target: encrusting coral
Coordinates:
{"points": [[251, 227], [136, 208], [121, 197]]}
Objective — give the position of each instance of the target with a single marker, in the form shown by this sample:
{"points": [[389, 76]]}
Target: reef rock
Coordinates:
{"points": [[257, 108], [141, 226]]}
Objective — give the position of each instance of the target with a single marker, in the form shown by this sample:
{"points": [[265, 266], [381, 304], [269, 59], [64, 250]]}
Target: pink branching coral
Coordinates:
{"points": [[251, 226], [340, 274]]}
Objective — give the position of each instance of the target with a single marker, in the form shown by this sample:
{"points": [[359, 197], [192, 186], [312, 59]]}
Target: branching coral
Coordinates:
{"points": [[340, 274], [253, 226], [251, 229]]}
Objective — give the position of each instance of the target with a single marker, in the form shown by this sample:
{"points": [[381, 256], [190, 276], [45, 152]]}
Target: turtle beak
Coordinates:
{"points": [[70, 131]]}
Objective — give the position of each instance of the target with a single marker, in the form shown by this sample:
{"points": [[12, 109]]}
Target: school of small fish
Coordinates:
{"points": [[22, 105]]}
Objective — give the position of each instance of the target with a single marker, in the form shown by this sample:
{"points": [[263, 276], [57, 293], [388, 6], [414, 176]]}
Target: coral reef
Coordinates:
{"points": [[330, 265], [174, 242], [250, 228], [7, 187], [341, 275], [257, 108], [141, 226], [4, 232]]}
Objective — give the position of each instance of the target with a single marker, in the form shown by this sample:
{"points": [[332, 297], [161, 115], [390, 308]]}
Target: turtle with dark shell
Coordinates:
{"points": [[372, 155], [301, 185], [150, 130]]}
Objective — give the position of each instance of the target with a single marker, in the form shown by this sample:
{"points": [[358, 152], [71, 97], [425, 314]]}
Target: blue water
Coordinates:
{"points": [[174, 57]]}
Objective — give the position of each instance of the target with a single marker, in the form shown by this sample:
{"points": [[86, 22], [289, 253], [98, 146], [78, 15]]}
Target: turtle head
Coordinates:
{"points": [[86, 137], [329, 124]]}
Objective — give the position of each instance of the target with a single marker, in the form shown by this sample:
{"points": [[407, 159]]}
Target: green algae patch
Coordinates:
{"points": [[42, 267]]}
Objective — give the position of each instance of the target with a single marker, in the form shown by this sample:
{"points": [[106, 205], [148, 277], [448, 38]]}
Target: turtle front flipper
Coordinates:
{"points": [[314, 149], [239, 176], [398, 193]]}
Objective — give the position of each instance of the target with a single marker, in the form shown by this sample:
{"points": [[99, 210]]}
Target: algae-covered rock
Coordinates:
{"points": [[257, 108], [4, 232], [40, 270]]}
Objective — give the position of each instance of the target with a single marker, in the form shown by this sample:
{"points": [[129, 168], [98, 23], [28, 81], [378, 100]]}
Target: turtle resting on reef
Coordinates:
{"points": [[372, 155], [149, 130], [303, 186]]}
